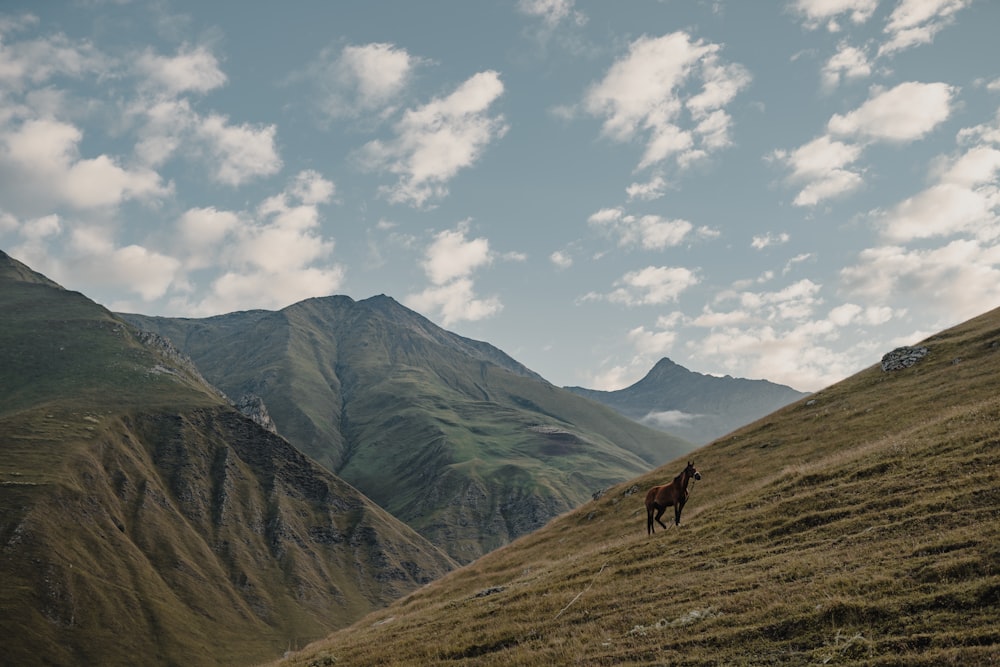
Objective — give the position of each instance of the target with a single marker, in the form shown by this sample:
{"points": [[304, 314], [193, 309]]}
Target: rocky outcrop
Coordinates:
{"points": [[183, 365], [902, 357], [253, 407]]}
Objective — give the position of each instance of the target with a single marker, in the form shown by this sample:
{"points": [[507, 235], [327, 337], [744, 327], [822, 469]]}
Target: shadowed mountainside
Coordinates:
{"points": [[694, 406], [145, 521], [860, 525], [449, 434]]}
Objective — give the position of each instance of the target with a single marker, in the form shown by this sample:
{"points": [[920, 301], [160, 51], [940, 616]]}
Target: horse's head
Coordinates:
{"points": [[691, 471]]}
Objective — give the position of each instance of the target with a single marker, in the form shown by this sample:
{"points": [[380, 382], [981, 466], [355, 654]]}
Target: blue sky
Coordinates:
{"points": [[782, 190]]}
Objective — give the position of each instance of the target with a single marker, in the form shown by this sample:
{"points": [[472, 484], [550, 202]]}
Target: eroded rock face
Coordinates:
{"points": [[253, 407], [902, 357]]}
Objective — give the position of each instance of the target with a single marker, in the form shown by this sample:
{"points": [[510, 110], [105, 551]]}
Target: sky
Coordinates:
{"points": [[783, 190]]}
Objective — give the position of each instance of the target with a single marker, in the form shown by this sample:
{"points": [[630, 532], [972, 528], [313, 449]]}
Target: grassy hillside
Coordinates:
{"points": [[144, 521], [860, 525], [451, 435]]}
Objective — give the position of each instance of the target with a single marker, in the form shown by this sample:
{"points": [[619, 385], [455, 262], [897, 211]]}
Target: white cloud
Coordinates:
{"points": [[646, 92], [9, 223], [653, 285], [915, 22], [561, 259], [795, 302], [42, 168], [958, 278], [165, 123], [942, 210], [452, 256], [783, 335], [270, 257], [798, 259], [818, 12], [617, 377], [34, 237], [794, 356], [655, 188], [821, 167], [233, 153], [89, 256], [262, 289], [708, 233], [552, 12], [449, 262], [434, 142], [965, 199], [953, 282], [904, 113], [169, 126], [145, 271], [844, 314], [454, 302], [639, 91], [760, 242], [651, 232], [652, 343], [310, 187], [33, 62], [239, 152], [987, 132], [848, 64], [656, 233], [201, 231], [362, 79], [191, 70], [668, 418]]}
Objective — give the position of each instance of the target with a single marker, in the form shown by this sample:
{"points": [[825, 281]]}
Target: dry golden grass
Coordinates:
{"points": [[858, 526]]}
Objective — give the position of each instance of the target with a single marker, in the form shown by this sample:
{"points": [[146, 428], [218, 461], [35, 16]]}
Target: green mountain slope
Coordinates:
{"points": [[694, 406], [860, 526], [449, 434], [145, 521]]}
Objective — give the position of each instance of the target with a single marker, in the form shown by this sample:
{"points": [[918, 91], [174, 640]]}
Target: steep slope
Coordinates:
{"points": [[145, 521], [696, 407], [451, 435], [858, 526]]}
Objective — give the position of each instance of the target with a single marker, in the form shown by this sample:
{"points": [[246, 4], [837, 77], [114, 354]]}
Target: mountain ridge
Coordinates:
{"points": [[693, 405], [144, 520], [452, 435]]}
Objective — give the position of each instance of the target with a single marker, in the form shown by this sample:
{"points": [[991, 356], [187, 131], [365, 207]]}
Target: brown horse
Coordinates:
{"points": [[659, 498]]}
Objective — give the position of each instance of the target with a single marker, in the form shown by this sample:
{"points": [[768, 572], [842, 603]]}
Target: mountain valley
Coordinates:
{"points": [[143, 520], [857, 526], [449, 434]]}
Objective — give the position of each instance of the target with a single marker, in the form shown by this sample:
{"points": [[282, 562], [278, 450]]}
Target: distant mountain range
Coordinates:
{"points": [[451, 435], [696, 407]]}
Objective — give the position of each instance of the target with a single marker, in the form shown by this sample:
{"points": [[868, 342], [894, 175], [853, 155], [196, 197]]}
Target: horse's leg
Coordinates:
{"points": [[677, 512], [649, 520], [659, 513]]}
